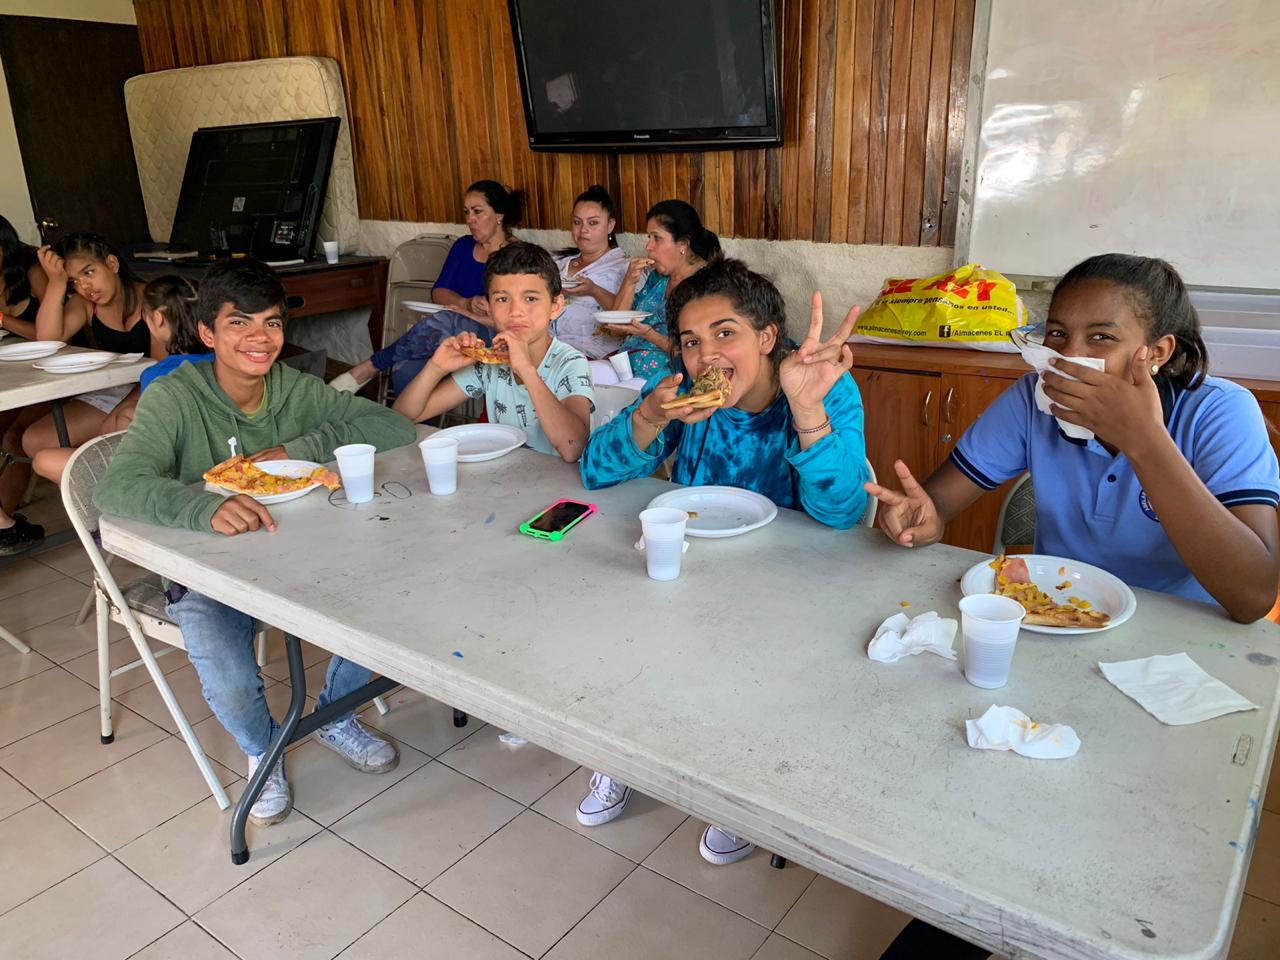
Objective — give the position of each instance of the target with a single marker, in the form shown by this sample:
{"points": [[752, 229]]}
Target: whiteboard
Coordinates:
{"points": [[1135, 126]]}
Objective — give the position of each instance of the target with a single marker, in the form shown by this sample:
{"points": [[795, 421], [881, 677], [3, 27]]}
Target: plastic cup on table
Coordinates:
{"points": [[664, 543], [990, 625], [355, 463], [621, 363], [331, 251], [440, 457]]}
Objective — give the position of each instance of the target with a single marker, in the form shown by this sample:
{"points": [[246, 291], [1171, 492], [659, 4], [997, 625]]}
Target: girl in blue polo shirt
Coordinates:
{"points": [[790, 430], [1177, 490]]}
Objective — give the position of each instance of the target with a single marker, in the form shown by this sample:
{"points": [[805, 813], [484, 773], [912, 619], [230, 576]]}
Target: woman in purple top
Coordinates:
{"points": [[491, 212]]}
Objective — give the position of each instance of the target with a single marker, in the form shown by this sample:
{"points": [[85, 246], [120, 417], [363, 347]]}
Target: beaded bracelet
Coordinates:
{"points": [[818, 429]]}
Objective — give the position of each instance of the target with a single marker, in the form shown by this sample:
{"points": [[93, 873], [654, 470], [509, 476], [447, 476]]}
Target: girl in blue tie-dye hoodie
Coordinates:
{"points": [[791, 430]]}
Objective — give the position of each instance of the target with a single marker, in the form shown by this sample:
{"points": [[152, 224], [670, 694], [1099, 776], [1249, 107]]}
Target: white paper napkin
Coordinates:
{"points": [[1008, 728], [1038, 356], [1174, 689], [902, 636]]}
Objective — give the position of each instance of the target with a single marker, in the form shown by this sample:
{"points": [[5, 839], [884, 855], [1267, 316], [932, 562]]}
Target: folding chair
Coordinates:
{"points": [[869, 515], [139, 606]]}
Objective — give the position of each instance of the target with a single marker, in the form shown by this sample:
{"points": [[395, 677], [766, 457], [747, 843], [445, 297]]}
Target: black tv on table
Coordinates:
{"points": [[660, 74], [255, 188]]}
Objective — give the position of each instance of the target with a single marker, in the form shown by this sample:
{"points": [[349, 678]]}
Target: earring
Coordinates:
{"points": [[1155, 368]]}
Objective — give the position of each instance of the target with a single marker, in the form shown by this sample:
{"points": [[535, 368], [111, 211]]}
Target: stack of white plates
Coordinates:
{"points": [[30, 349]]}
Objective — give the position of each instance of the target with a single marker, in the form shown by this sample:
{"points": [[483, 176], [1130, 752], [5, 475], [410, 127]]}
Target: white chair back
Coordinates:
{"points": [[611, 401], [869, 515]]}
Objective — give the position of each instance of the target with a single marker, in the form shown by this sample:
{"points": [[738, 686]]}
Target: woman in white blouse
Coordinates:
{"points": [[592, 272]]}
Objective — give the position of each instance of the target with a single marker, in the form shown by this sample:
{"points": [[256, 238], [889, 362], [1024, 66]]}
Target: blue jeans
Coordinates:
{"points": [[220, 644], [406, 356]]}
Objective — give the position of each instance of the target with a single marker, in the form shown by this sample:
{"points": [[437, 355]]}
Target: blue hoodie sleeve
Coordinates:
{"points": [[830, 474], [611, 455]]}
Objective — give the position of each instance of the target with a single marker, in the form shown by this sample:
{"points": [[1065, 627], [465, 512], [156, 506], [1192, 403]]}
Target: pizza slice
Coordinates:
{"points": [[710, 389], [241, 475], [488, 355], [1013, 580]]}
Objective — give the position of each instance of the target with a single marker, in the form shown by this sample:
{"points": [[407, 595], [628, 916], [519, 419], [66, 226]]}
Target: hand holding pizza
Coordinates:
{"points": [[449, 357], [1123, 412], [655, 409], [909, 518], [518, 353], [242, 514]]}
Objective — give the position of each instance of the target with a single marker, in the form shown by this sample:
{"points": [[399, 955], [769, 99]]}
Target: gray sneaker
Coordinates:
{"points": [[275, 802], [360, 747]]}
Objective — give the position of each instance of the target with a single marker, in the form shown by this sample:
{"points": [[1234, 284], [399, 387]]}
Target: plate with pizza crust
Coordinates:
{"points": [[718, 512], [1062, 580], [277, 468]]}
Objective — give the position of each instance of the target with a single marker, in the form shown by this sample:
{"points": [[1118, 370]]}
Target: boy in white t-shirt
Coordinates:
{"points": [[544, 389]]}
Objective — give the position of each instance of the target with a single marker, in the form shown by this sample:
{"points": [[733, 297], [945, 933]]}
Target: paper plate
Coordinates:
{"points": [[1103, 590], [422, 306], [484, 441], [620, 316], [81, 362], [278, 468], [721, 511], [30, 349]]}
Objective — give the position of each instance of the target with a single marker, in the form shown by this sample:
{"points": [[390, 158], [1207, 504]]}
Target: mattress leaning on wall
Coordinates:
{"points": [[166, 107]]}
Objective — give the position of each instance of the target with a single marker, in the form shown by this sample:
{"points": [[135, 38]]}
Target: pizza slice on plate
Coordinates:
{"points": [[242, 475], [1013, 580]]}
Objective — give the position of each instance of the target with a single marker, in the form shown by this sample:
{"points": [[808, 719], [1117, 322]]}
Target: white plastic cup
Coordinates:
{"points": [[355, 463], [331, 251], [990, 624], [440, 457], [663, 541], [621, 363]]}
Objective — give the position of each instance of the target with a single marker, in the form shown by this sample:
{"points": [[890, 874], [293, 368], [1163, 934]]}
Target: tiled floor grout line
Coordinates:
{"points": [[105, 853]]}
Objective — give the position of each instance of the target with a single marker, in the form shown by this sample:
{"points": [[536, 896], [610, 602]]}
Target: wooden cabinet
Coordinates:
{"points": [[918, 416]]}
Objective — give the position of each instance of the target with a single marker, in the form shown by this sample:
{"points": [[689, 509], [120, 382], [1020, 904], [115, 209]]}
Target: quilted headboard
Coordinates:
{"points": [[166, 107]]}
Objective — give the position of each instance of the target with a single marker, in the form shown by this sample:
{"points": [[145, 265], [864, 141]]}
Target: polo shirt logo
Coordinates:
{"points": [[1145, 504]]}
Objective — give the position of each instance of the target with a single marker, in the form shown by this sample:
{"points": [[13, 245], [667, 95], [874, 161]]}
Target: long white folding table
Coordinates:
{"points": [[742, 693], [22, 385]]}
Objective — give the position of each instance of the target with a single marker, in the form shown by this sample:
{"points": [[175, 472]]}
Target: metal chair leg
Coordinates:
{"points": [[459, 718], [777, 862], [88, 601]]}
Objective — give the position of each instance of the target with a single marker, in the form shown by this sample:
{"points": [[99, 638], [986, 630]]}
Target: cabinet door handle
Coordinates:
{"points": [[948, 406], [924, 409]]}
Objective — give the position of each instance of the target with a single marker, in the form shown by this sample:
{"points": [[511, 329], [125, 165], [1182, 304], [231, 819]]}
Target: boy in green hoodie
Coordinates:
{"points": [[187, 422]]}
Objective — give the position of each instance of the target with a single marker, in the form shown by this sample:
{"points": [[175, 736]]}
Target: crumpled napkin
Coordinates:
{"points": [[1174, 689], [1008, 728], [902, 636], [1038, 356]]}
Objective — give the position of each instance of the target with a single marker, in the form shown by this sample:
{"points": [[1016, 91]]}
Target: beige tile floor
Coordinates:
{"points": [[469, 849]]}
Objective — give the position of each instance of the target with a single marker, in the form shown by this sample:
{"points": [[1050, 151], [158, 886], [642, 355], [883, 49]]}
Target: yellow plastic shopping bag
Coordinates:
{"points": [[965, 307]]}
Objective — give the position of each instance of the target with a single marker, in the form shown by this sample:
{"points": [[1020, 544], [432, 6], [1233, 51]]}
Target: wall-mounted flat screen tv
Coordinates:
{"points": [[659, 74]]}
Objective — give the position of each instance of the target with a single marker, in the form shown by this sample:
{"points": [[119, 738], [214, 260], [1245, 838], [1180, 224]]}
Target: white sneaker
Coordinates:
{"points": [[720, 846], [346, 383], [604, 802], [275, 802], [363, 749]]}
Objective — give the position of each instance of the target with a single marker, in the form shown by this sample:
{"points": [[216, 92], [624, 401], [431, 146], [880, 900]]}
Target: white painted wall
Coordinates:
{"points": [[845, 273], [15, 201]]}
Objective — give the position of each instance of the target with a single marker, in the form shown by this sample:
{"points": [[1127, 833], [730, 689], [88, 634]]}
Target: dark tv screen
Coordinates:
{"points": [[256, 188], [664, 73]]}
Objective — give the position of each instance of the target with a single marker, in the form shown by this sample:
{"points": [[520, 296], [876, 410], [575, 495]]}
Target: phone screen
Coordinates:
{"points": [[558, 517]]}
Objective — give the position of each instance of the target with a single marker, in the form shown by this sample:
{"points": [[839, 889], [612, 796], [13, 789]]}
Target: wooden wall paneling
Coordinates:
{"points": [[896, 139], [789, 13], [810, 27], [863, 56], [916, 119], [841, 120], [873, 91], [878, 128], [958, 97], [824, 132], [935, 146]]}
